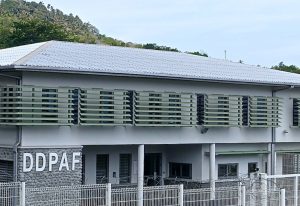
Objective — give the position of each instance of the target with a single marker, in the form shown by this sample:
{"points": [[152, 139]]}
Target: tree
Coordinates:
{"points": [[27, 31], [282, 67], [198, 53]]}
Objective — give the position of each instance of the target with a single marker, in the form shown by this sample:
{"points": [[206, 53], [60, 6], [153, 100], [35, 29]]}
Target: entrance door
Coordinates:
{"points": [[153, 168], [102, 169]]}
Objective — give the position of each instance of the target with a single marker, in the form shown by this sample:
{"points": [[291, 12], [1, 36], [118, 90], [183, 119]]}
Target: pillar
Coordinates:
{"points": [[141, 153], [212, 169]]}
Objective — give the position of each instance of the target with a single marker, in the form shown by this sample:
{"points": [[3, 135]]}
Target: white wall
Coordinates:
{"points": [[191, 154], [8, 135], [114, 152], [287, 133], [241, 159], [38, 136]]}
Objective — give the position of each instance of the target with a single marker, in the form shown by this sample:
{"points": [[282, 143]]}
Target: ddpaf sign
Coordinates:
{"points": [[52, 159]]}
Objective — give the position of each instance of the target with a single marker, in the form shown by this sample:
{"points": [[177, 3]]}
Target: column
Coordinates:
{"points": [[141, 153], [212, 169]]}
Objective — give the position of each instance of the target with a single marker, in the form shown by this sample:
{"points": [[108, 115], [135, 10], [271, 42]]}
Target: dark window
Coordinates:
{"points": [[252, 167], [102, 169], [83, 170], [296, 112], [245, 110], [125, 168], [228, 170], [180, 170], [6, 171]]}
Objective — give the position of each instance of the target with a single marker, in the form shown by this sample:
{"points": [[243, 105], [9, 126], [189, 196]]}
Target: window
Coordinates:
{"points": [[252, 167], [180, 170], [102, 169], [228, 170], [6, 171], [83, 170], [125, 168]]}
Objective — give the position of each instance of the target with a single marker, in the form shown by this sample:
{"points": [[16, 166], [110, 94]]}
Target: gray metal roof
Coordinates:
{"points": [[58, 56]]}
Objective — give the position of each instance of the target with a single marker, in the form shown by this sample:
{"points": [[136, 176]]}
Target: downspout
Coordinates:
{"points": [[273, 134], [17, 144]]}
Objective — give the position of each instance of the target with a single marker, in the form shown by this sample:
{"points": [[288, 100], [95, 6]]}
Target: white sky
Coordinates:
{"points": [[261, 32]]}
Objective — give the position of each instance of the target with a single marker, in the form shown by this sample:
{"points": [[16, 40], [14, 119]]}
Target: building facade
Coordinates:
{"points": [[75, 113]]}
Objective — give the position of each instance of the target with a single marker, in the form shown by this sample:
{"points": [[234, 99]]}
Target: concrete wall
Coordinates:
{"points": [[191, 154], [139, 135], [8, 135]]}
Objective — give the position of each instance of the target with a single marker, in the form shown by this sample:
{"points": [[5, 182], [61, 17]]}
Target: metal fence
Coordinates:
{"points": [[225, 196], [152, 196], [290, 183], [83, 195], [10, 194], [261, 190]]}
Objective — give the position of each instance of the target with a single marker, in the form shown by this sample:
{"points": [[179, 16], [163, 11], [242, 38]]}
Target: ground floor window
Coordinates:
{"points": [[102, 168], [228, 170], [6, 171], [180, 170], [83, 169], [125, 168]]}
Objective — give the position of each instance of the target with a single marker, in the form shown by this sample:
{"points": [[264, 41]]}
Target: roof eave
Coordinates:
{"points": [[63, 70]]}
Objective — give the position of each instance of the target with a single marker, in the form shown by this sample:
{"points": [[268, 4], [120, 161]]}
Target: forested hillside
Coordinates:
{"points": [[24, 22]]}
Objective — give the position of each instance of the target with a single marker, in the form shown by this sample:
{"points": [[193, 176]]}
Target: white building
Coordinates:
{"points": [[74, 112]]}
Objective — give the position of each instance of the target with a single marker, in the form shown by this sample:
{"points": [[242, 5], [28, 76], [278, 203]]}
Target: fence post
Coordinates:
{"points": [[22, 195], [108, 195], [180, 196], [282, 197], [264, 189], [239, 193], [296, 191], [243, 198]]}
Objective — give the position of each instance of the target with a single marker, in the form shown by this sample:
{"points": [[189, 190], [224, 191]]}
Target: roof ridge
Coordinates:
{"points": [[23, 59]]}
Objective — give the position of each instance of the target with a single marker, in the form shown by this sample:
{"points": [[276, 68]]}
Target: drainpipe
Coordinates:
{"points": [[273, 136], [17, 144]]}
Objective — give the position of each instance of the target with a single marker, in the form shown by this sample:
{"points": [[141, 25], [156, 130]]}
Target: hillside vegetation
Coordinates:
{"points": [[24, 22]]}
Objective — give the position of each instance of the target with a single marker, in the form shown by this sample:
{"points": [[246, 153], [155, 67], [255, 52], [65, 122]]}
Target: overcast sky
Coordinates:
{"points": [[261, 32]]}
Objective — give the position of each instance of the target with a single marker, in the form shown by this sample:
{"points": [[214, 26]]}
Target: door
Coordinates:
{"points": [[125, 168], [153, 168], [102, 169]]}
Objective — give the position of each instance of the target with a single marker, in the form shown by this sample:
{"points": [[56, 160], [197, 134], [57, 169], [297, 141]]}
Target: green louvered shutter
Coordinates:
{"points": [[105, 108], [165, 109], [220, 110], [31, 105], [264, 111]]}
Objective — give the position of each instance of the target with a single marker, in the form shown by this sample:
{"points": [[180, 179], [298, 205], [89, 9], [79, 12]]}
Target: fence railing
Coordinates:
{"points": [[291, 184], [258, 191], [10, 194]]}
